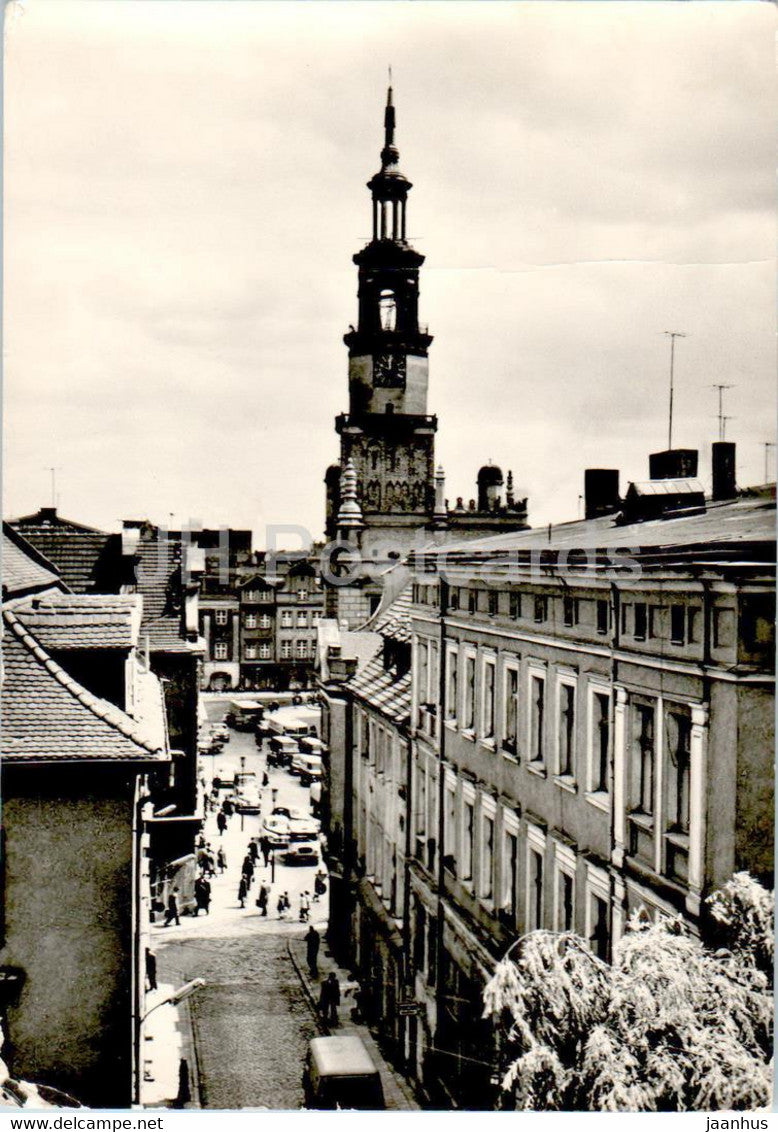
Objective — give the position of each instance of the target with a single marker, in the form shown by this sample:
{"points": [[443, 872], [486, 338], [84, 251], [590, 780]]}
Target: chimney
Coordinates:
{"points": [[673, 464], [601, 492], [724, 486], [440, 493]]}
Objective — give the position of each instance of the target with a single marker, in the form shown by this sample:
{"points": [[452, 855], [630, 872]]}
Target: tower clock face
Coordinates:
{"points": [[389, 369]]}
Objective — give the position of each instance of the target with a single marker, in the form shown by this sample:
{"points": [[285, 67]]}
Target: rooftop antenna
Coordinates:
{"points": [[768, 444], [53, 472], [390, 74], [722, 419], [672, 335], [723, 426]]}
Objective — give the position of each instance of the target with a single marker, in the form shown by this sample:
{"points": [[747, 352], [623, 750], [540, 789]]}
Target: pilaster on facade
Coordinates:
{"points": [[698, 792], [620, 713]]}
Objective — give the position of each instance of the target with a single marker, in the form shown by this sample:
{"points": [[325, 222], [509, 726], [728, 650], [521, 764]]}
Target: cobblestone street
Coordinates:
{"points": [[251, 1022]]}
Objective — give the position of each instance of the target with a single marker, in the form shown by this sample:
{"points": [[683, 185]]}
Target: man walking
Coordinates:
{"points": [[262, 899], [312, 941], [172, 910], [264, 845], [221, 822], [151, 969], [329, 999], [221, 860], [243, 890]]}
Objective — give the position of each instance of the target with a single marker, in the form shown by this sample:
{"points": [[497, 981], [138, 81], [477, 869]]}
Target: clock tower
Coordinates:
{"points": [[387, 434]]}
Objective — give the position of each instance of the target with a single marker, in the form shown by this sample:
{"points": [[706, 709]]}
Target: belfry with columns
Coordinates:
{"points": [[385, 495]]}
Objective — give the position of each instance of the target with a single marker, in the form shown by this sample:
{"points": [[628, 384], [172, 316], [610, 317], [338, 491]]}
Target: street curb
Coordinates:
{"points": [[320, 1023], [194, 1074]]}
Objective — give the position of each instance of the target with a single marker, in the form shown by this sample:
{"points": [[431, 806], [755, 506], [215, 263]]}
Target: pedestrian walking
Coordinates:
{"points": [[265, 779], [305, 907], [329, 999], [263, 898], [319, 886], [253, 851], [243, 890], [264, 845], [202, 891], [312, 941], [151, 969], [172, 909], [221, 860], [247, 868], [221, 822], [274, 796], [210, 864], [227, 808]]}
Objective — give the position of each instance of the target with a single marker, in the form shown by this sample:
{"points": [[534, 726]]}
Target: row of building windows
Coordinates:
{"points": [[509, 868], [301, 618], [301, 649], [265, 597]]}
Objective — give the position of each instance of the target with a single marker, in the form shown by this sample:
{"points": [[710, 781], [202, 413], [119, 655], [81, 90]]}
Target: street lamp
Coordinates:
{"points": [[173, 999], [176, 996]]}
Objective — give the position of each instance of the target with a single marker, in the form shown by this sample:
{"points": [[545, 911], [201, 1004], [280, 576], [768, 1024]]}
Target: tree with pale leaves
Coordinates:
{"points": [[670, 1026]]}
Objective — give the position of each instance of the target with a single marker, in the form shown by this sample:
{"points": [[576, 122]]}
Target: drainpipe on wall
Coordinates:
{"points": [[137, 964], [407, 970], [615, 642], [349, 846], [439, 949]]}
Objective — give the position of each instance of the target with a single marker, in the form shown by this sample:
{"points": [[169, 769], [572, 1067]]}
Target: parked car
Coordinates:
{"points": [[311, 745], [302, 852], [276, 829], [296, 816], [282, 748], [221, 732], [248, 801], [304, 829], [308, 767], [340, 1073], [223, 778]]}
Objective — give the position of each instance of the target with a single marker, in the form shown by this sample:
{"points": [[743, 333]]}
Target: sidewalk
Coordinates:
{"points": [[167, 1039], [397, 1091]]}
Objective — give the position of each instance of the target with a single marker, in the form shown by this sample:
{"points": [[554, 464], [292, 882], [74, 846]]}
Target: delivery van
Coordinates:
{"points": [[340, 1073]]}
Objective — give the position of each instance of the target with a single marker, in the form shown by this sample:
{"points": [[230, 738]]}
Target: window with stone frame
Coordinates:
{"points": [[469, 712], [488, 698], [250, 621], [510, 874], [515, 604], [600, 742], [566, 729], [452, 687], [642, 777], [301, 649], [603, 615], [264, 650], [534, 889], [466, 850], [487, 855], [302, 619], [678, 736], [221, 616], [286, 649], [220, 650], [510, 730], [537, 708], [251, 652], [541, 608], [286, 619]]}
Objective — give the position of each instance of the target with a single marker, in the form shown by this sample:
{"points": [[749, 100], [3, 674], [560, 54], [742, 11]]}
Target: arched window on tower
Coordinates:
{"points": [[387, 308]]}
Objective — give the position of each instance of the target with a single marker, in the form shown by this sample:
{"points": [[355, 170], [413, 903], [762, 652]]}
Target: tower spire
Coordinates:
{"points": [[389, 154]]}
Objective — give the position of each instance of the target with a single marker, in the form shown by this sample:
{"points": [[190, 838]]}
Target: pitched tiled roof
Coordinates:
{"points": [[383, 689], [395, 621], [158, 577], [77, 621], [47, 716], [22, 573], [82, 557]]}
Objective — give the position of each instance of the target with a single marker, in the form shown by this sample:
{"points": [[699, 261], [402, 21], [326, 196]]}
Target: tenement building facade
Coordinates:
{"points": [[590, 737]]}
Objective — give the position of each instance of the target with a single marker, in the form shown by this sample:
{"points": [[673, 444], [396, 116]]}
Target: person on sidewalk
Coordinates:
{"points": [[319, 886], [151, 969], [247, 868], [202, 891], [243, 891], [264, 845], [221, 822], [253, 851], [305, 907], [227, 808], [172, 909], [263, 898], [329, 999], [312, 941], [221, 860]]}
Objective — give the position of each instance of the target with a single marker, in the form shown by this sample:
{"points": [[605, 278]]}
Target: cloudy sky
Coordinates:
{"points": [[185, 186]]}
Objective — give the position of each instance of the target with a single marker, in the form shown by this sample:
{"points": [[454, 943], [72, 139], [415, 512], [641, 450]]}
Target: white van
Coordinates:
{"points": [[308, 767]]}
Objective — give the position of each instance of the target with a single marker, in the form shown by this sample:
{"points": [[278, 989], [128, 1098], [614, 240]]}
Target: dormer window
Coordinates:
{"points": [[387, 309]]}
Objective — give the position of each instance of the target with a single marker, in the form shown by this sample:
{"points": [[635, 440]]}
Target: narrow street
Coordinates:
{"points": [[251, 1022]]}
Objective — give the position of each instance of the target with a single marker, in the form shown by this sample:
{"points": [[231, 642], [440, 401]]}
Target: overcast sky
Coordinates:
{"points": [[185, 187]]}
